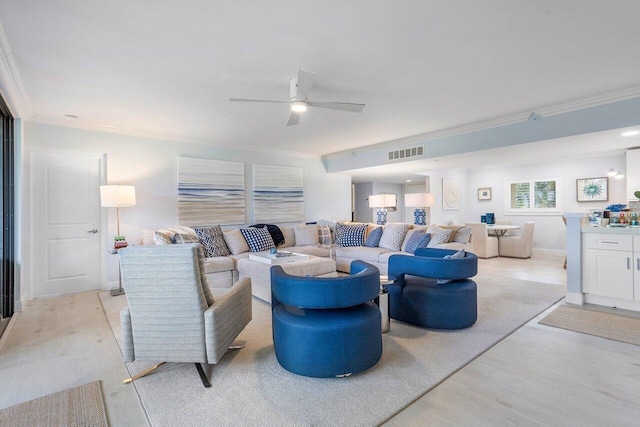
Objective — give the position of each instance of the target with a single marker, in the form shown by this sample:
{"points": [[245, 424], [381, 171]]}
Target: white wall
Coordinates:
{"points": [[151, 165], [550, 231]]}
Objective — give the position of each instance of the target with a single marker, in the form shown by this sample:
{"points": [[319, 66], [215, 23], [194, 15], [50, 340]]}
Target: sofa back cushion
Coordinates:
{"points": [[235, 241], [306, 234], [463, 235], [393, 236]]}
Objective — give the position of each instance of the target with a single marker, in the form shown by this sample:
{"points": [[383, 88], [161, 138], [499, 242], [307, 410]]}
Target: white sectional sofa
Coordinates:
{"points": [[222, 271]]}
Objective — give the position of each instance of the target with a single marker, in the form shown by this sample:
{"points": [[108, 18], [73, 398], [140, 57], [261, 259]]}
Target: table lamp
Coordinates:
{"points": [[118, 196], [420, 201], [382, 202]]}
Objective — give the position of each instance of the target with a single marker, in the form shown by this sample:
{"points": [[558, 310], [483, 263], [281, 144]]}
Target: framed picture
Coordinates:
{"points": [[592, 189], [450, 195], [484, 193]]}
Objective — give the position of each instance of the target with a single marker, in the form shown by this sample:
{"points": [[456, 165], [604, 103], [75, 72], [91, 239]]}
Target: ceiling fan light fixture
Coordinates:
{"points": [[298, 106]]}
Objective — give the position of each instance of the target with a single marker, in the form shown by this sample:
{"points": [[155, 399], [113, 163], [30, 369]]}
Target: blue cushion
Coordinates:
{"points": [[258, 239], [352, 235], [419, 239], [374, 238]]}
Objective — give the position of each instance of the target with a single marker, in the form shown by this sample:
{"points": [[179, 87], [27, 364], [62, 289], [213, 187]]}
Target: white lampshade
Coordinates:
{"points": [[382, 201], [117, 196], [419, 200]]}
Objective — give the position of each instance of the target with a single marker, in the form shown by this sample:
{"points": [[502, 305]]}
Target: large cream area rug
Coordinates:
{"points": [[250, 388]]}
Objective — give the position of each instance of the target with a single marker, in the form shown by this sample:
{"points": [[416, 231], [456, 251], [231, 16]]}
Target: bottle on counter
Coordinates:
{"points": [[623, 220]]}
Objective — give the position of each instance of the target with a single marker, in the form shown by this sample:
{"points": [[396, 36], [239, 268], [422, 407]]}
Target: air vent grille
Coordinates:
{"points": [[407, 153]]}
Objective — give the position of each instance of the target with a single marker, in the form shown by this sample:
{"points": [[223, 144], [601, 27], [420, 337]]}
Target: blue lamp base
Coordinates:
{"points": [[382, 216], [420, 216]]}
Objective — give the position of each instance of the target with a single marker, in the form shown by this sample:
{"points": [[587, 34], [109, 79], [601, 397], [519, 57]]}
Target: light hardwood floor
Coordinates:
{"points": [[537, 376]]}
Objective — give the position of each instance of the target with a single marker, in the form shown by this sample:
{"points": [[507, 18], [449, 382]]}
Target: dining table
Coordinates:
{"points": [[500, 229]]}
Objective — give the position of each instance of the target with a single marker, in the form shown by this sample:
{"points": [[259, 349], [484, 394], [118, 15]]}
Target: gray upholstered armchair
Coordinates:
{"points": [[172, 314]]}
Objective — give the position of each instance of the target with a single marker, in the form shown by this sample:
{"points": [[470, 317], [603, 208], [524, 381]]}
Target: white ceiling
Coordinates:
{"points": [[166, 68]]}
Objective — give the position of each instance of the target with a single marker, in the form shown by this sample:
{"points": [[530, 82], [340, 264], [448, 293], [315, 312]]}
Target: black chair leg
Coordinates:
{"points": [[203, 377]]}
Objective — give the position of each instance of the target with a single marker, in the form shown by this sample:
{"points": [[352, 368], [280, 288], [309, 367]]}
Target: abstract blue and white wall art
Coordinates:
{"points": [[277, 194], [210, 192]]}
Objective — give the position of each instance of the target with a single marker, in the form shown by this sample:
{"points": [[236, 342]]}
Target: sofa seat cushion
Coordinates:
{"points": [[314, 250], [219, 263], [360, 252], [236, 257]]}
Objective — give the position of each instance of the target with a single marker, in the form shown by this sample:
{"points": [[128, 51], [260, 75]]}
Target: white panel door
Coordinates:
{"points": [[65, 218]]}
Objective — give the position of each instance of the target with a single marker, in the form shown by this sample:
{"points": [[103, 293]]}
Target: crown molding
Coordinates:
{"points": [[10, 81], [574, 105]]}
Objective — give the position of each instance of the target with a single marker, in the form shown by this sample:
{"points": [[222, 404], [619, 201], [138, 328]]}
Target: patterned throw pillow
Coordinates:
{"points": [[324, 234], [258, 239], [419, 239], [212, 240], [439, 236], [352, 235], [459, 254], [393, 236], [373, 239], [338, 231]]}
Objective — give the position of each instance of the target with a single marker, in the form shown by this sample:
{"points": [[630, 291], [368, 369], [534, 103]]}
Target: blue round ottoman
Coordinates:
{"points": [[450, 306], [326, 326], [327, 343]]}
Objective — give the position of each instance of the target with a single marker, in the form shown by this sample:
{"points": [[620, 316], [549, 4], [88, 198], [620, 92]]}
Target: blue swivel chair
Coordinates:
{"points": [[416, 297], [326, 327]]}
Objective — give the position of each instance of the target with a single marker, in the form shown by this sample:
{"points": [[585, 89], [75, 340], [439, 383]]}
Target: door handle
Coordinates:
{"points": [[94, 231]]}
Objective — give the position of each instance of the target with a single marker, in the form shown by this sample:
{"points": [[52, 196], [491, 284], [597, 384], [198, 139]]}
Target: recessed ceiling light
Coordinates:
{"points": [[408, 180], [631, 133], [71, 116]]}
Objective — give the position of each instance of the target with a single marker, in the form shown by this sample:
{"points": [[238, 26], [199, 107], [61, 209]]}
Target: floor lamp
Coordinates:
{"points": [[420, 201], [117, 196]]}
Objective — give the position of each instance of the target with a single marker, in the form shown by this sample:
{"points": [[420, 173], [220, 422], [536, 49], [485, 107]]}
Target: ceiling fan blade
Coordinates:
{"points": [[257, 100], [344, 106], [305, 81], [293, 119]]}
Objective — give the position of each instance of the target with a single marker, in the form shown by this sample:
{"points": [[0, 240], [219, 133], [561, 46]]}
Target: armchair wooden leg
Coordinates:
{"points": [[143, 373], [203, 376]]}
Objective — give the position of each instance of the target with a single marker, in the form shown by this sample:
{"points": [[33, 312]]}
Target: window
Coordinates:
{"points": [[533, 196]]}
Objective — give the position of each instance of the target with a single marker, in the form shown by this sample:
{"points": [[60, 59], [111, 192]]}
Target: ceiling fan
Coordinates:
{"points": [[299, 91]]}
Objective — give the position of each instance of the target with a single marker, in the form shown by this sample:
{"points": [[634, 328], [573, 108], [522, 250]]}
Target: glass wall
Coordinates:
{"points": [[7, 217]]}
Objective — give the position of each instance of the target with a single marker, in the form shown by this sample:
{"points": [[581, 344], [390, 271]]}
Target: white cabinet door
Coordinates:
{"points": [[609, 273]]}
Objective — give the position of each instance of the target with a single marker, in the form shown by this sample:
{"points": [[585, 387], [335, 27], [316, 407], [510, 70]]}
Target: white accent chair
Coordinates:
{"points": [[172, 314], [518, 246], [484, 245]]}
